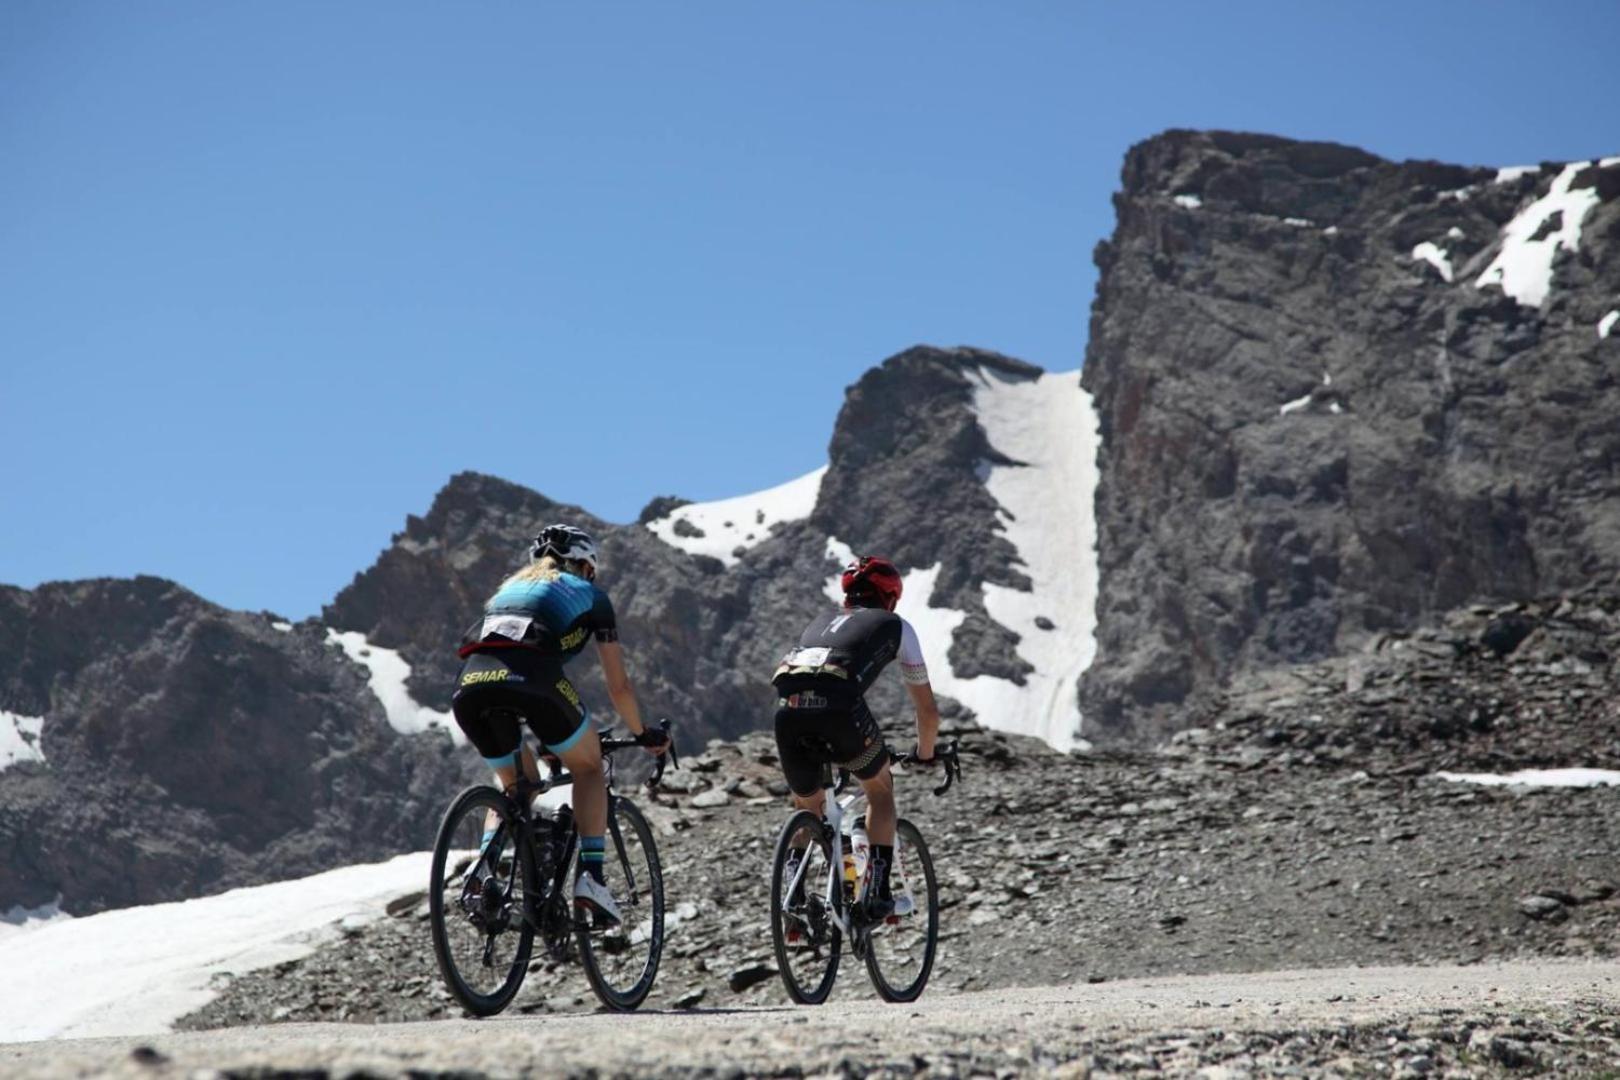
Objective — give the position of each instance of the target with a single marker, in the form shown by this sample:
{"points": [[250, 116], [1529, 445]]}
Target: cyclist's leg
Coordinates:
{"points": [[563, 725], [880, 809], [858, 743], [493, 731], [561, 722], [482, 712], [871, 767], [802, 769]]}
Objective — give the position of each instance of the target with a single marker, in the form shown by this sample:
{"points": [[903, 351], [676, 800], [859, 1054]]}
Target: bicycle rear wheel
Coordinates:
{"points": [[900, 952], [622, 963], [804, 930], [477, 899]]}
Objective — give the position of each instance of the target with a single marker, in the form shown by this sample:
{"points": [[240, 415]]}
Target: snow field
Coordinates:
{"points": [[19, 738], [136, 970], [739, 522], [1538, 778], [386, 672], [1050, 425]]}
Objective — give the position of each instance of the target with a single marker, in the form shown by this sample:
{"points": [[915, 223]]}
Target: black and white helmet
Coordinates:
{"points": [[567, 543]]}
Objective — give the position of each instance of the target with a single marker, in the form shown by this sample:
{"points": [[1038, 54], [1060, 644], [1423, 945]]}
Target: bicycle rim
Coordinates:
{"points": [[477, 902], [622, 963], [808, 964], [900, 952]]}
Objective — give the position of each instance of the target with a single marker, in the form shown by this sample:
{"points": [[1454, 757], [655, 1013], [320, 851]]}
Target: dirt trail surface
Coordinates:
{"points": [[1509, 1019]]}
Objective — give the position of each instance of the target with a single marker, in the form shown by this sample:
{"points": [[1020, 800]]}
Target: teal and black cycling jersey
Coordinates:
{"points": [[555, 616]]}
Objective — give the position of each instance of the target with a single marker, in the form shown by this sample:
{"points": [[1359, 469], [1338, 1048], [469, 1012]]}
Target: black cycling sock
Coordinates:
{"points": [[882, 859], [592, 851]]}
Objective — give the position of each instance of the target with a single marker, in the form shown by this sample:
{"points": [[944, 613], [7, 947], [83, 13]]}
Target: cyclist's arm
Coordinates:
{"points": [[922, 699], [914, 673], [622, 694]]}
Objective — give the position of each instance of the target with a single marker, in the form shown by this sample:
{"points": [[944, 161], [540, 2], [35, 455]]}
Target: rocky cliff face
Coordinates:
{"points": [[904, 477], [187, 749], [1338, 394]]}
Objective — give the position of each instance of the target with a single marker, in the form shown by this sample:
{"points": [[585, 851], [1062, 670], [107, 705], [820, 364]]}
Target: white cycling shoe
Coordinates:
{"points": [[595, 897]]}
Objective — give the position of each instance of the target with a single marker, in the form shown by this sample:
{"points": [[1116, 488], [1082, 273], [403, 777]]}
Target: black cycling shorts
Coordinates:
{"points": [[495, 689], [808, 739]]}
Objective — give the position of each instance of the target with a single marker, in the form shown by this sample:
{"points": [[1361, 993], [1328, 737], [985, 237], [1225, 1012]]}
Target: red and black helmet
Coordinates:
{"points": [[871, 579]]}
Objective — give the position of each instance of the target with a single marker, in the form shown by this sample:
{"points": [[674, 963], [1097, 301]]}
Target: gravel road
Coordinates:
{"points": [[1507, 1019]]}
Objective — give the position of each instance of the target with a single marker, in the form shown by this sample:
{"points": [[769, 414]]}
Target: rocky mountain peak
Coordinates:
{"points": [[1338, 395]]}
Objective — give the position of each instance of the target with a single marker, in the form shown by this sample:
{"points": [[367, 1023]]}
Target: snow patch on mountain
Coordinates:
{"points": [[1048, 427], [19, 738], [136, 970], [723, 527], [1435, 256], [1606, 324], [1523, 268], [387, 672]]}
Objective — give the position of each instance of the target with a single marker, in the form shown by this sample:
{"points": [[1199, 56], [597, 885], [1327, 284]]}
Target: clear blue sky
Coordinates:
{"points": [[270, 273]]}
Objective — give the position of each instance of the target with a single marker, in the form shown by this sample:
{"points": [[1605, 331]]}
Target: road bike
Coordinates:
{"points": [[503, 874], [818, 889]]}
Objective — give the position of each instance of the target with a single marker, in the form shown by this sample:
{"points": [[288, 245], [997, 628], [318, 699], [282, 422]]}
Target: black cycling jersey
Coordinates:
{"points": [[821, 713], [844, 652]]}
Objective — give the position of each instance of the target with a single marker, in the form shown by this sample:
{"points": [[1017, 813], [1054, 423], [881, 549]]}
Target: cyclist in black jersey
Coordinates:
{"points": [[821, 712], [539, 618]]}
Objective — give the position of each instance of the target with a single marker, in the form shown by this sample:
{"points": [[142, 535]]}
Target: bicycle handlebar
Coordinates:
{"points": [[946, 756], [667, 758]]}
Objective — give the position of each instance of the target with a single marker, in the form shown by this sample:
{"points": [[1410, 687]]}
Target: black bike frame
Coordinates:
{"points": [[522, 796]]}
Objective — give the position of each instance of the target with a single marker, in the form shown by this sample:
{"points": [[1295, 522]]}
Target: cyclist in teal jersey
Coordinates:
{"points": [[538, 619]]}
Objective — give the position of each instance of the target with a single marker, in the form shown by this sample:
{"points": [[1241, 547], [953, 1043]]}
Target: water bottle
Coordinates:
{"points": [[553, 841], [850, 877], [863, 848]]}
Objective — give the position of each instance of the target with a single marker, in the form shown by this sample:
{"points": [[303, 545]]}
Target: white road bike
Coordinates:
{"points": [[817, 903]]}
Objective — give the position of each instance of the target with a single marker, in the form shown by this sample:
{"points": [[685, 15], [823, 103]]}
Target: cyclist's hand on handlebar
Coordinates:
{"points": [[942, 755], [917, 757], [655, 741]]}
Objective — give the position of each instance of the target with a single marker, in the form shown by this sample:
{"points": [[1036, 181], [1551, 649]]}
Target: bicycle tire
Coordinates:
{"points": [[594, 954], [820, 929], [451, 923], [911, 857]]}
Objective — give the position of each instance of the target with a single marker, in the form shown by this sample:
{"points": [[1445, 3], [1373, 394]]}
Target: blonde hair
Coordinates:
{"points": [[545, 568]]}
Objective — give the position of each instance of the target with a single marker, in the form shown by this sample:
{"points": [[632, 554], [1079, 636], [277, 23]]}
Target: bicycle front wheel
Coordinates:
{"points": [[900, 951], [478, 896], [804, 928], [621, 963]]}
